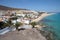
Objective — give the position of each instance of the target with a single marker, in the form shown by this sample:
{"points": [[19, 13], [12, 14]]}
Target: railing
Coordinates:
{"points": [[5, 30]]}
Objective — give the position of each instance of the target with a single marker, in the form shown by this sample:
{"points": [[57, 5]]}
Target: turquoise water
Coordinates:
{"points": [[55, 23]]}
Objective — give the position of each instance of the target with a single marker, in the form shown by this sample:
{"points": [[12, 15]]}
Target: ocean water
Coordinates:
{"points": [[54, 22]]}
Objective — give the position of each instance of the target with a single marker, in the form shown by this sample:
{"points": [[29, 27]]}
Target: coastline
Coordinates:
{"points": [[42, 37], [41, 17]]}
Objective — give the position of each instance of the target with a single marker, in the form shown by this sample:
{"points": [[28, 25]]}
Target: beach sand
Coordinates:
{"points": [[41, 17]]}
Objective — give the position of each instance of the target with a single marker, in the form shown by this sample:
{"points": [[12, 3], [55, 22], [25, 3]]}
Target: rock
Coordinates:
{"points": [[28, 34]]}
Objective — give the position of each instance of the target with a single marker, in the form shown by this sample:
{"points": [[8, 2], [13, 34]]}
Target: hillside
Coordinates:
{"points": [[10, 8]]}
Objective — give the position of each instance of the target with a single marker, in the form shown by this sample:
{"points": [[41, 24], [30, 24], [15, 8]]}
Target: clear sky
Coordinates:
{"points": [[39, 5]]}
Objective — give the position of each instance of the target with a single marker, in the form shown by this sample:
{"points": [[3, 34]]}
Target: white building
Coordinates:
{"points": [[14, 21], [26, 21], [25, 27], [23, 15], [18, 20], [2, 12]]}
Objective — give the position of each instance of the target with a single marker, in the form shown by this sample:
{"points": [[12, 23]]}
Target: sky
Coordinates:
{"points": [[39, 5]]}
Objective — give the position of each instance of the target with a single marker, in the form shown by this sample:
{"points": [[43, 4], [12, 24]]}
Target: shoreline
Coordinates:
{"points": [[41, 17]]}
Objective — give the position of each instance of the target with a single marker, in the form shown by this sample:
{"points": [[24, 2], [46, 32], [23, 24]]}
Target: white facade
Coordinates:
{"points": [[2, 12], [20, 15], [14, 21], [18, 20], [25, 26], [26, 21]]}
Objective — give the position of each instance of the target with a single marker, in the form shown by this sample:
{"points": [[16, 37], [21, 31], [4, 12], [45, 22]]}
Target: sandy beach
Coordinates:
{"points": [[41, 17]]}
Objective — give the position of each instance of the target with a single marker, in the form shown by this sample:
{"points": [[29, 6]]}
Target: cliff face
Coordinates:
{"points": [[28, 34]]}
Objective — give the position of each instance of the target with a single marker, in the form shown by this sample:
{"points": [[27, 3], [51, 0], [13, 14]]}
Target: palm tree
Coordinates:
{"points": [[33, 24], [9, 23], [2, 25]]}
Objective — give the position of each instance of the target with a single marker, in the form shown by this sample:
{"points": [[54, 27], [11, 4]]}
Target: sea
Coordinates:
{"points": [[54, 22]]}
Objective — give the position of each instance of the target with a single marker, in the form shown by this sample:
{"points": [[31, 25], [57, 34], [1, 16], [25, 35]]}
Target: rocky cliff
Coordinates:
{"points": [[28, 34]]}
